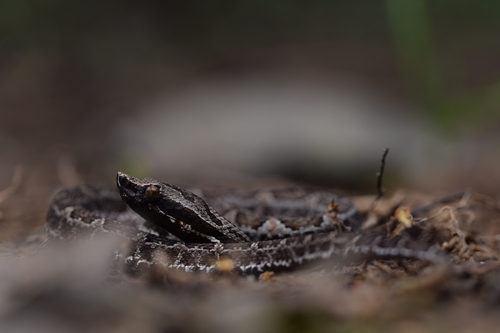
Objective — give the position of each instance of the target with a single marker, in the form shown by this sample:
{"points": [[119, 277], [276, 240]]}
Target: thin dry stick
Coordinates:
{"points": [[16, 182], [445, 200], [453, 226], [380, 175]]}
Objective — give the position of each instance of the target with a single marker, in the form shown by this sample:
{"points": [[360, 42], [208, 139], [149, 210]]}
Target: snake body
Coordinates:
{"points": [[252, 232]]}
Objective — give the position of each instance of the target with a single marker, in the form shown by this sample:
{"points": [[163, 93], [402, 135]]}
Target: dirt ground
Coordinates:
{"points": [[73, 288]]}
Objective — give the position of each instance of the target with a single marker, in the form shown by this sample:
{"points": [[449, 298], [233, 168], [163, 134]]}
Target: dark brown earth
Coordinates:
{"points": [[73, 288]]}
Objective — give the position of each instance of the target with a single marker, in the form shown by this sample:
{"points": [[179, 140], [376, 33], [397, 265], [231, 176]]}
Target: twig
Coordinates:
{"points": [[16, 182], [380, 175], [442, 201]]}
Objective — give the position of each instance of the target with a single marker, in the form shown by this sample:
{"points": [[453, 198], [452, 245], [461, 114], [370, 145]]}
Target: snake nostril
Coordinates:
{"points": [[122, 179]]}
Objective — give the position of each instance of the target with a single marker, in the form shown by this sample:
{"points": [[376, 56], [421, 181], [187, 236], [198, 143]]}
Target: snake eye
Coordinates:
{"points": [[152, 192]]}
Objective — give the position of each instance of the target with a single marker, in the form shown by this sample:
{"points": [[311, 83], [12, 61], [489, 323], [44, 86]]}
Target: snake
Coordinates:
{"points": [[247, 232]]}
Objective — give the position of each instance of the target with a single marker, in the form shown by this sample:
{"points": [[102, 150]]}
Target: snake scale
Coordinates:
{"points": [[253, 231]]}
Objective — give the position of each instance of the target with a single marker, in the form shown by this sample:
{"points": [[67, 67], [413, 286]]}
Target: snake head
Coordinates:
{"points": [[177, 211], [136, 191]]}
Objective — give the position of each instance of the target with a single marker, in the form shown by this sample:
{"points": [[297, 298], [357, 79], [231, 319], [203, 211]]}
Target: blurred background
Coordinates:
{"points": [[310, 91]]}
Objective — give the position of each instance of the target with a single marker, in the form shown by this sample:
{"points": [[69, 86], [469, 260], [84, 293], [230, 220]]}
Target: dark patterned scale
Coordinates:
{"points": [[254, 231], [284, 212]]}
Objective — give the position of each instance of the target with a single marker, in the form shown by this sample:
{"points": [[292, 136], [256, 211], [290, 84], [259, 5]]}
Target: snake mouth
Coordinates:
{"points": [[123, 182], [127, 187], [122, 179]]}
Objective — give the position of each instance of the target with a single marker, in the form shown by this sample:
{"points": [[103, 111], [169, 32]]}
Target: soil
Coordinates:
{"points": [[72, 287]]}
